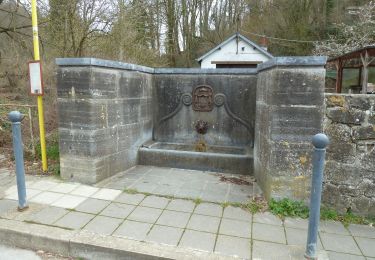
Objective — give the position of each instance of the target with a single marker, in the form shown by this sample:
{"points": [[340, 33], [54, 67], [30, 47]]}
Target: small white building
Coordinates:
{"points": [[235, 52]]}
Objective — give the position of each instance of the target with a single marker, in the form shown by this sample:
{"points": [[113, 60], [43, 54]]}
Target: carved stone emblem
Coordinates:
{"points": [[203, 98]]}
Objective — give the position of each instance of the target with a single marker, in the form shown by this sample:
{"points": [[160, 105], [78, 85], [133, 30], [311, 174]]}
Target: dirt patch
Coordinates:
{"points": [[51, 256], [235, 180]]}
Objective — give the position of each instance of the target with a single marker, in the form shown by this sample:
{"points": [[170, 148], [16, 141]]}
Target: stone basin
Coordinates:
{"points": [[227, 159]]}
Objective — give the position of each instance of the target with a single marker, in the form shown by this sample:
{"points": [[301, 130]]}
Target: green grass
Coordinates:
{"points": [[197, 201], [52, 150], [288, 208], [131, 191]]}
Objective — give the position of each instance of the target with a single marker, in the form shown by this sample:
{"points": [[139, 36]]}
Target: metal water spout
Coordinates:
{"points": [[201, 127]]}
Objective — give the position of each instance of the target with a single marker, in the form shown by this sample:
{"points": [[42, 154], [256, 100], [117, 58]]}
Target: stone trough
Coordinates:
{"points": [[226, 159]]}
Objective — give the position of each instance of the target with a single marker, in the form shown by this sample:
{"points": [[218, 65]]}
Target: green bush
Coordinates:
{"points": [[52, 146]]}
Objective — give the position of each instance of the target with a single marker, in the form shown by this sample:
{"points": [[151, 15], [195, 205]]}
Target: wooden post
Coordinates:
{"points": [[365, 62], [339, 69], [32, 134], [364, 59]]}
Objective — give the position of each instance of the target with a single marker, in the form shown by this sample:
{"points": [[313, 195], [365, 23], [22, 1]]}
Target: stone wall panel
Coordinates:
{"points": [[349, 182]]}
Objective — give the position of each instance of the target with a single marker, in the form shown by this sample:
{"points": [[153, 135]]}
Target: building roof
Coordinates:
{"points": [[355, 54], [240, 36]]}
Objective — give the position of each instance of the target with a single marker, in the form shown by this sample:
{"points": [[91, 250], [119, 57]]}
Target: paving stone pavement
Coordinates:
{"points": [[181, 223], [208, 186]]}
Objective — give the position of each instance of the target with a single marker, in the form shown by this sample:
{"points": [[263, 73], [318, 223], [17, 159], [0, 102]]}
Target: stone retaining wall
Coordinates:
{"points": [[350, 167], [105, 115]]}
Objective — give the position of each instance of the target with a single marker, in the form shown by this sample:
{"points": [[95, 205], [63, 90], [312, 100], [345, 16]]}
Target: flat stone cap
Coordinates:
{"points": [[294, 61]]}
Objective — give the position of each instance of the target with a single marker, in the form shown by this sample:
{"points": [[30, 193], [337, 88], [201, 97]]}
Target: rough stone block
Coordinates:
{"points": [[333, 100], [338, 132], [342, 173], [345, 116], [364, 132], [367, 160], [341, 152], [361, 102], [371, 119]]}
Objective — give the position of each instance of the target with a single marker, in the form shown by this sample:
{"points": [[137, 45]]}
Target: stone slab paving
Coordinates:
{"points": [[180, 223], [208, 186]]}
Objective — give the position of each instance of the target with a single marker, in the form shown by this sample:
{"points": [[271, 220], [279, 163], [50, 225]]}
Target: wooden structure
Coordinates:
{"points": [[235, 52], [362, 59]]}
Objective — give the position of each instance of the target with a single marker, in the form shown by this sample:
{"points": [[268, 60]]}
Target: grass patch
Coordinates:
{"points": [[197, 201], [256, 206], [131, 191], [52, 148], [347, 218], [288, 208]]}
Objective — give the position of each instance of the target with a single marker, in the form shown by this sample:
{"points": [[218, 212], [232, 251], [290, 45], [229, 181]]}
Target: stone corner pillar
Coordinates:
{"points": [[289, 112]]}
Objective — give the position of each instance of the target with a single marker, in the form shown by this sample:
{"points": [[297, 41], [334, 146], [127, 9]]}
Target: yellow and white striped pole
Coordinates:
{"points": [[34, 22]]}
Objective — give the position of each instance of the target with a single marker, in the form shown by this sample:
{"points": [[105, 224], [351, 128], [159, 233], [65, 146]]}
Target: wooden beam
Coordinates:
{"points": [[339, 68]]}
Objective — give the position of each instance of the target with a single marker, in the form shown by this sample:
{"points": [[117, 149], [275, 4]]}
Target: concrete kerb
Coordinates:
{"points": [[88, 245]]}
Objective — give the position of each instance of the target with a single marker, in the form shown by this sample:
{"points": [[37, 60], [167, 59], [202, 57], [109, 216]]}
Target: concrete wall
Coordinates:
{"points": [[240, 90], [105, 114], [289, 111], [350, 166]]}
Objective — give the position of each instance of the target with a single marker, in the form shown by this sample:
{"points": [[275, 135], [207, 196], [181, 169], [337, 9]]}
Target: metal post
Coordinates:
{"points": [[16, 117], [320, 142], [34, 22]]}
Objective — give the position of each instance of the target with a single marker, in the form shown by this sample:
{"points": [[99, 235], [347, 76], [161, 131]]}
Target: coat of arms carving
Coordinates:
{"points": [[203, 98]]}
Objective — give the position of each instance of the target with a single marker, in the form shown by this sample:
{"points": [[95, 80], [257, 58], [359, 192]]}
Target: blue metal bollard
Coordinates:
{"points": [[16, 117], [320, 142]]}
